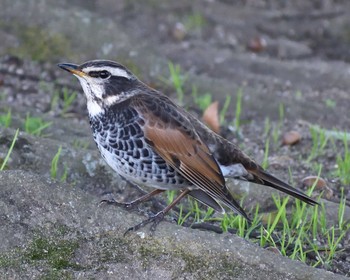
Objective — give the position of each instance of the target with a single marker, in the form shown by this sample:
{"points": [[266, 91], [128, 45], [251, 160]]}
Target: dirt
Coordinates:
{"points": [[291, 53]]}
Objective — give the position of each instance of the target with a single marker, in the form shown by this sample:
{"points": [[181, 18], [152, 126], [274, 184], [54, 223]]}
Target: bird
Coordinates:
{"points": [[152, 142]]}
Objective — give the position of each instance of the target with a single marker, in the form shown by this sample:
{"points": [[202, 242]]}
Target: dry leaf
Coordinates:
{"points": [[211, 117]]}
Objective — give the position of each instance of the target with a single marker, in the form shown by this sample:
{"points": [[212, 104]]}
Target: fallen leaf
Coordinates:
{"points": [[211, 117]]}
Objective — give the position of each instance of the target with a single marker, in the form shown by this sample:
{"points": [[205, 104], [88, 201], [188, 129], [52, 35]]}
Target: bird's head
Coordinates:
{"points": [[105, 83]]}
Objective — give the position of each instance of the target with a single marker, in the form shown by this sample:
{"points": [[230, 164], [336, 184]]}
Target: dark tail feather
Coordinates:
{"points": [[267, 179], [211, 202], [207, 200]]}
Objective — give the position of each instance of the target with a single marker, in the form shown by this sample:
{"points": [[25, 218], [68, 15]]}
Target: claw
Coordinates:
{"points": [[155, 220], [125, 205]]}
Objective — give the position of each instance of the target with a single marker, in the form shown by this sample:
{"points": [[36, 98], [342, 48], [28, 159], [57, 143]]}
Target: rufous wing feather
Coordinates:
{"points": [[187, 154]]}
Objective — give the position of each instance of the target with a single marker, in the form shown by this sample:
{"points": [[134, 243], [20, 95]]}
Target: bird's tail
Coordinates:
{"points": [[263, 177]]}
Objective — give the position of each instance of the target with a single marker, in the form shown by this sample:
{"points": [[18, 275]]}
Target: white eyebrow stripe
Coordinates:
{"points": [[114, 71]]}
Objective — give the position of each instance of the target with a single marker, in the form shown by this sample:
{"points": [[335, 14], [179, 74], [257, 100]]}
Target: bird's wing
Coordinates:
{"points": [[228, 155], [169, 132]]}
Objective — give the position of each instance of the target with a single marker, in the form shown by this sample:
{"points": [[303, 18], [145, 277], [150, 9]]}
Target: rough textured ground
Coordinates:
{"points": [[304, 65]]}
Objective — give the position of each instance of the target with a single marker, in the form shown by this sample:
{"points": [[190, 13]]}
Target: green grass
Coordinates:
{"points": [[35, 125], [267, 127], [202, 101], [224, 109], [330, 103], [5, 119], [276, 132], [176, 79], [4, 162], [195, 21], [343, 164], [238, 109], [63, 98], [265, 163], [54, 166], [297, 233], [319, 142]]}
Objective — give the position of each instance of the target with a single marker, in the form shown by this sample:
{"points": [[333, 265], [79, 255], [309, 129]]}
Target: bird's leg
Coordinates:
{"points": [[155, 219], [132, 204]]}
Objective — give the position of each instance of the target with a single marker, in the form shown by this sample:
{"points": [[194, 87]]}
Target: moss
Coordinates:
{"points": [[6, 260], [57, 275], [112, 250], [193, 263], [201, 266], [52, 252], [57, 254], [39, 44]]}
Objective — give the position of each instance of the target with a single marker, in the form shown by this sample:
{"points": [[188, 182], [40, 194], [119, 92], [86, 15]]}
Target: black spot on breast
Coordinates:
{"points": [[132, 130], [131, 145], [136, 154], [138, 143], [114, 145], [145, 153], [147, 161]]}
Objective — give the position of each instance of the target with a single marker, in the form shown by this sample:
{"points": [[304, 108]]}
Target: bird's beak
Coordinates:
{"points": [[72, 68]]}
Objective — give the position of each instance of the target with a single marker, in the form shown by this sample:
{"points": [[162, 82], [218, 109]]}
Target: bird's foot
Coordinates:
{"points": [[125, 205], [154, 219]]}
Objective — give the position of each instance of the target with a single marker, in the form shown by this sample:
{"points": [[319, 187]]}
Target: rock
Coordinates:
{"points": [[309, 181], [321, 185], [51, 229], [179, 31], [257, 44]]}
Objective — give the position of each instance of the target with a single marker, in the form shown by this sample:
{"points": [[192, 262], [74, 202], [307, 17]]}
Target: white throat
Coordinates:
{"points": [[94, 108], [93, 92]]}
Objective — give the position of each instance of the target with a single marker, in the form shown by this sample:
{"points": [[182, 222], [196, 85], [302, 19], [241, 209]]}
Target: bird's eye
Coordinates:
{"points": [[104, 74], [100, 74]]}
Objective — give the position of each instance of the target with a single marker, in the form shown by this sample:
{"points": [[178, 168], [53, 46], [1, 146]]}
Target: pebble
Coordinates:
{"points": [[291, 138], [310, 180], [179, 31], [321, 185], [257, 44]]}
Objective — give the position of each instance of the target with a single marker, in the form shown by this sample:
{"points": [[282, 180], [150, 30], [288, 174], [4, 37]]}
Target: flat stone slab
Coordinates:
{"points": [[51, 229]]}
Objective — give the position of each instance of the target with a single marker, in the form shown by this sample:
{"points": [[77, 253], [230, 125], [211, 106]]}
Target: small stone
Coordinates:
{"points": [[310, 181], [291, 138], [328, 193], [257, 44], [179, 31]]}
